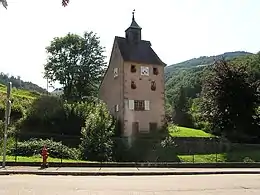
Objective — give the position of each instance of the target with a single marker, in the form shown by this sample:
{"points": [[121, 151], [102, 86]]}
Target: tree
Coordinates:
{"points": [[96, 142], [230, 101], [181, 108], [5, 4], [77, 63], [65, 2]]}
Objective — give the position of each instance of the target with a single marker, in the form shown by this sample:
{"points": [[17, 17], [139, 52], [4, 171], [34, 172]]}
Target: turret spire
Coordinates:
{"points": [[133, 33], [133, 18]]}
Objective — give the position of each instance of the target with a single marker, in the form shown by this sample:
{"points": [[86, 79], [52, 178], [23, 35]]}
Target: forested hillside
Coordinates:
{"points": [[202, 61], [20, 84], [189, 74], [185, 81]]}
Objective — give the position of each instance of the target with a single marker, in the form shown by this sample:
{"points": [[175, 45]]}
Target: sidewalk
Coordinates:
{"points": [[92, 171]]}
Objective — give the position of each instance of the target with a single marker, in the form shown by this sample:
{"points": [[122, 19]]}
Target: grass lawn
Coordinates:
{"points": [[187, 132], [36, 159], [203, 158], [252, 155]]}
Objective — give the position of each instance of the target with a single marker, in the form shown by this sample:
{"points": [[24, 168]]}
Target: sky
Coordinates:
{"points": [[178, 29]]}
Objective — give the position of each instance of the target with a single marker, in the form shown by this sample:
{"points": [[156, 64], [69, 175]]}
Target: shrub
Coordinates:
{"points": [[34, 146], [96, 142], [51, 115]]}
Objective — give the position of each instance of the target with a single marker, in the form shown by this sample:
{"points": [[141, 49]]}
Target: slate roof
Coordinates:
{"points": [[134, 24], [140, 52]]}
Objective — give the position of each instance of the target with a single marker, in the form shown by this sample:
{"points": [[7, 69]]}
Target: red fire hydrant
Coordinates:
{"points": [[44, 157]]}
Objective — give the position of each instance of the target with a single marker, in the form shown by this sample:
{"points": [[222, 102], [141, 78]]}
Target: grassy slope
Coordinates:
{"points": [[187, 132], [238, 153], [19, 93], [21, 99]]}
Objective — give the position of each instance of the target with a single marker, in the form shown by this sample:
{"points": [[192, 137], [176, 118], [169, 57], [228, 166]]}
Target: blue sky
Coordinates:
{"points": [[178, 29]]}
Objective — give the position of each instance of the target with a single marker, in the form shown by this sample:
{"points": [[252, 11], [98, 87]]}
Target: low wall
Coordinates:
{"points": [[200, 145]]}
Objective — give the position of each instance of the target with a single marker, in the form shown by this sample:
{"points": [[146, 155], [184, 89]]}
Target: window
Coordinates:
{"points": [[133, 68], [116, 108], [133, 85], [144, 71], [155, 71], [139, 105], [153, 86], [115, 72]]}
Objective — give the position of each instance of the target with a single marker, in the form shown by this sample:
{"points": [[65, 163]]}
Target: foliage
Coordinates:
{"points": [[230, 101], [197, 115], [64, 3], [77, 63], [181, 115], [168, 142], [20, 103], [49, 114], [204, 60], [96, 142], [34, 146], [190, 76], [18, 83]]}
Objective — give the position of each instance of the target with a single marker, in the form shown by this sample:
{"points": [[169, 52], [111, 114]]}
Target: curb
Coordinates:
{"points": [[52, 173], [143, 164]]}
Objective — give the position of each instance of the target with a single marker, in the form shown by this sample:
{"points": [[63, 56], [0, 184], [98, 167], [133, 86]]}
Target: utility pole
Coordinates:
{"points": [[47, 86], [7, 120]]}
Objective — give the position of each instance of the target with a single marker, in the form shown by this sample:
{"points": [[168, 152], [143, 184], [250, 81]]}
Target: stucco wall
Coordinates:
{"points": [[143, 92], [111, 89]]}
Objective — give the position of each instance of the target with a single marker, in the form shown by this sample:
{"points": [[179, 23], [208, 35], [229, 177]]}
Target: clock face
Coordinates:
{"points": [[144, 70]]}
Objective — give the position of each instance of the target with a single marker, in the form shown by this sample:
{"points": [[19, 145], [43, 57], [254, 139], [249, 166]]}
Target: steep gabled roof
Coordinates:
{"points": [[140, 52]]}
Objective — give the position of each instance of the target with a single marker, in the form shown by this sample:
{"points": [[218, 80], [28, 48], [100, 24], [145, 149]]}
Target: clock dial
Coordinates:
{"points": [[145, 70]]}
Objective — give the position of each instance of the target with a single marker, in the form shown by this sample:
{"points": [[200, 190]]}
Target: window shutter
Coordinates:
{"points": [[147, 105], [131, 105]]}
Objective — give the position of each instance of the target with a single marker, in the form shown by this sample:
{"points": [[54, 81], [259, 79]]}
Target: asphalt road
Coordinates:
{"points": [[115, 185]]}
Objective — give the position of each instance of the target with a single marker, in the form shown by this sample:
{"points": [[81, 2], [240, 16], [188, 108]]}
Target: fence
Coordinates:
{"points": [[64, 148]]}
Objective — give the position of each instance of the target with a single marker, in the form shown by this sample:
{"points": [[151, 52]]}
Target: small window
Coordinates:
{"points": [[139, 105], [116, 108], [115, 72], [155, 71], [153, 86], [133, 68], [133, 85]]}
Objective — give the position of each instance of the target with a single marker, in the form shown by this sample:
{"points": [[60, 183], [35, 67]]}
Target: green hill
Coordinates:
{"points": [[202, 61], [20, 84]]}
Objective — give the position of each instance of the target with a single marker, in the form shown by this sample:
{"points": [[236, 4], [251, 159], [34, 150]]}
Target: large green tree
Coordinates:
{"points": [[180, 110], [77, 63], [230, 101]]}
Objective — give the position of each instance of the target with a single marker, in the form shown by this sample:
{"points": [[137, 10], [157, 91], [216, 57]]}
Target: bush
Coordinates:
{"points": [[51, 115], [34, 146], [96, 142]]}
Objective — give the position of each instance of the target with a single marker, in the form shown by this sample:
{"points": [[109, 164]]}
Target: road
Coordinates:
{"points": [[140, 185]]}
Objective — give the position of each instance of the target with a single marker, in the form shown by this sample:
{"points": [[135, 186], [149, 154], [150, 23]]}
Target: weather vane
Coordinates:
{"points": [[133, 13]]}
